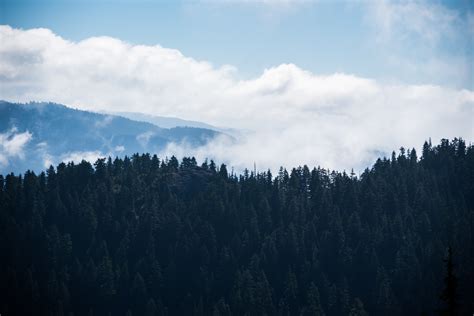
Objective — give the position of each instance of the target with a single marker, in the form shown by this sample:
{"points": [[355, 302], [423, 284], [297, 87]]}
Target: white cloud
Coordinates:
{"points": [[416, 39], [42, 151], [144, 138], [104, 122], [78, 156], [12, 145], [427, 21], [293, 116]]}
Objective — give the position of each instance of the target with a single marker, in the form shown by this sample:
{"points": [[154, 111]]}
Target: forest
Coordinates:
{"points": [[142, 235]]}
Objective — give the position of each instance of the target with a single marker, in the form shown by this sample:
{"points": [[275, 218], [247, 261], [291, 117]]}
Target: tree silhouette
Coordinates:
{"points": [[450, 285], [146, 236]]}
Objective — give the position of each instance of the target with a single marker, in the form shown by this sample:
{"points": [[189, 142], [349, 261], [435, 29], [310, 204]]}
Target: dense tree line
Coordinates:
{"points": [[144, 236]]}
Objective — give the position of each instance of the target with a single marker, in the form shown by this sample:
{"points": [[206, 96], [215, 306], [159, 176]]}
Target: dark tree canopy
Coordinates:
{"points": [[144, 236], [450, 286]]}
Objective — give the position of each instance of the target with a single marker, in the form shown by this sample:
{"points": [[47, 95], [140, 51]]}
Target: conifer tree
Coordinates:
{"points": [[449, 295]]}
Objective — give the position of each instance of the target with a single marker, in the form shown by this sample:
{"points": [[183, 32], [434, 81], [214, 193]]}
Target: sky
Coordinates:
{"points": [[324, 83], [412, 42]]}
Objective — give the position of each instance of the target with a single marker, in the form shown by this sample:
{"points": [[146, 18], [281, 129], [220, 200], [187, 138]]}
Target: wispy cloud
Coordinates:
{"points": [[104, 122], [418, 37], [78, 156], [42, 150], [12, 145], [293, 116], [426, 21]]}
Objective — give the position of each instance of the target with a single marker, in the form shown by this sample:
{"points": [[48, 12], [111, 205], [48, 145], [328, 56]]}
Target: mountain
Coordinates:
{"points": [[171, 122], [165, 121], [35, 135]]}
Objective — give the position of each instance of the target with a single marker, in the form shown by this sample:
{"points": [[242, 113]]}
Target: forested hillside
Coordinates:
{"points": [[144, 236], [53, 133]]}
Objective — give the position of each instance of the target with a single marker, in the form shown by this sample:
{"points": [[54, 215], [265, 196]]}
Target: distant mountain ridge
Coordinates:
{"points": [[171, 122], [35, 134], [165, 121]]}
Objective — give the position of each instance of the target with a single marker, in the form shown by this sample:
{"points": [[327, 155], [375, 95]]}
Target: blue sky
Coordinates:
{"points": [[323, 37]]}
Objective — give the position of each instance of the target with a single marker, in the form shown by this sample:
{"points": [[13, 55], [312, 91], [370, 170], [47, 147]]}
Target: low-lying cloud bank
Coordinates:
{"points": [[290, 116], [12, 144]]}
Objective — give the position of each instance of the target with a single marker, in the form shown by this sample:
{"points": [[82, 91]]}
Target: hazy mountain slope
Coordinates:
{"points": [[36, 134], [172, 122], [164, 121]]}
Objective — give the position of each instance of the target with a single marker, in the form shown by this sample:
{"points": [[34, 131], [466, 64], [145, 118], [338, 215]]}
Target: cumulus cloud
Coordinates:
{"points": [[291, 116], [12, 144]]}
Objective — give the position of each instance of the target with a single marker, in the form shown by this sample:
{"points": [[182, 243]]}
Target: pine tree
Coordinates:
{"points": [[145, 235], [449, 295]]}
